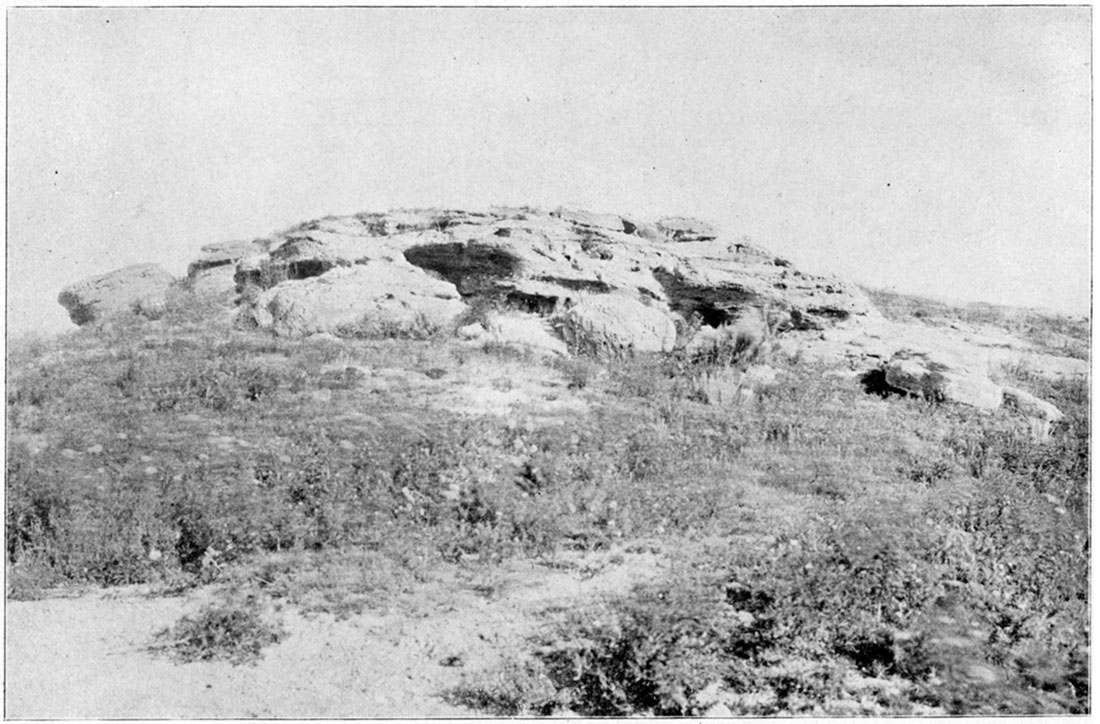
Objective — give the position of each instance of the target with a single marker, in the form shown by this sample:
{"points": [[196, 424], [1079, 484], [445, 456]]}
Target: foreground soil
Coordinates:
{"points": [[88, 656]]}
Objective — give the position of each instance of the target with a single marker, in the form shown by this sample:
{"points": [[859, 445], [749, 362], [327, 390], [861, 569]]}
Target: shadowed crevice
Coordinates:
{"points": [[874, 383], [472, 268], [716, 305]]}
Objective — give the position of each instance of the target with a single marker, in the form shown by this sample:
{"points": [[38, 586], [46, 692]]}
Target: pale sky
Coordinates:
{"points": [[939, 151]]}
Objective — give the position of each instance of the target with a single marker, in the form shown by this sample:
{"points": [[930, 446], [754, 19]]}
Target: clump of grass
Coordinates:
{"points": [[720, 386], [514, 688], [235, 632], [579, 372], [421, 328]]}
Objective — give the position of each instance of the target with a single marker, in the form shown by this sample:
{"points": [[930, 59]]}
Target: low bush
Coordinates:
{"points": [[515, 688], [234, 631]]}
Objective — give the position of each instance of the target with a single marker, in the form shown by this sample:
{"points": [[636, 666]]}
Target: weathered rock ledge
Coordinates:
{"points": [[601, 284]]}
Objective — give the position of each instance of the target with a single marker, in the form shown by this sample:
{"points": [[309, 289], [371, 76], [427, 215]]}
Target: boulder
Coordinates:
{"points": [[215, 281], [943, 376], [1028, 404], [141, 288], [524, 331], [1041, 415], [473, 331], [616, 325], [370, 299]]}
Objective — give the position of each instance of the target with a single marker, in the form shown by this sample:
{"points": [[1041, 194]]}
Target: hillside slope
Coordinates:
{"points": [[554, 498]]}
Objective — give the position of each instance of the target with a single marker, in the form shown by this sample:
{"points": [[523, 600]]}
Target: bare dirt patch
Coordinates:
{"points": [[87, 656]]}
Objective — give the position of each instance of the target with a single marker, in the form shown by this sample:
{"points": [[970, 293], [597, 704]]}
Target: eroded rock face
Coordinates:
{"points": [[214, 273], [225, 254], [602, 283], [141, 288], [544, 263], [610, 222], [681, 228]]}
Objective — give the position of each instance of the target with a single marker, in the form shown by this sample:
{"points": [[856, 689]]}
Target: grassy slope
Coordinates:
{"points": [[836, 552], [1051, 333]]}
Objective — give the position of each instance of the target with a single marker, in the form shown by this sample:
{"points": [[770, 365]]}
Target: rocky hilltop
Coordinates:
{"points": [[570, 282]]}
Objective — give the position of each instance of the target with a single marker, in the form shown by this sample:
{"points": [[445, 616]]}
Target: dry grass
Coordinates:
{"points": [[1050, 332]]}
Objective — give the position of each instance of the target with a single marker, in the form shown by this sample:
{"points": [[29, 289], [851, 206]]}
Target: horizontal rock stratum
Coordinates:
{"points": [[602, 284], [540, 263]]}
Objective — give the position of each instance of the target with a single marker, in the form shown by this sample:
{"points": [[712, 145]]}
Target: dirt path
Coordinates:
{"points": [[84, 657]]}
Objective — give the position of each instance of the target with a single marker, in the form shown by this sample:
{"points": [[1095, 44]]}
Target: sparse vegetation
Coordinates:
{"points": [[1051, 333], [835, 553], [234, 632]]}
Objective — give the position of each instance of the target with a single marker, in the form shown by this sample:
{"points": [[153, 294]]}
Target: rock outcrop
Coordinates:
{"points": [[140, 288], [680, 228], [544, 263], [941, 376], [600, 284]]}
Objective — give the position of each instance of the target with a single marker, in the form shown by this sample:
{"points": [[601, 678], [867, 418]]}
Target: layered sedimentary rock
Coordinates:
{"points": [[141, 288], [595, 283], [543, 263]]}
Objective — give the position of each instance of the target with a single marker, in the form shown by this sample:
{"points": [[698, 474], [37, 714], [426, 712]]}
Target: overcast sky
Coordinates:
{"points": [[943, 151]]}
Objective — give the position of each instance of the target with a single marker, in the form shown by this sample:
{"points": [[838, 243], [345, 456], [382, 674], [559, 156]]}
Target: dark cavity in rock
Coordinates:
{"points": [[714, 305], [472, 268], [531, 303], [829, 313], [587, 285], [306, 268]]}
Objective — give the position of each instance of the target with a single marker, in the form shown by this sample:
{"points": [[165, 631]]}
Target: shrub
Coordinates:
{"points": [[650, 652], [515, 688], [236, 632], [579, 372]]}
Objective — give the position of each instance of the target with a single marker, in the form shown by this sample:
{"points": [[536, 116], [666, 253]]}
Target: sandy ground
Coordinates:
{"points": [[86, 656]]}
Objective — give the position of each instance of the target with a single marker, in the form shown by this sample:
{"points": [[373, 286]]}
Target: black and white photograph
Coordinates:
{"points": [[480, 362]]}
